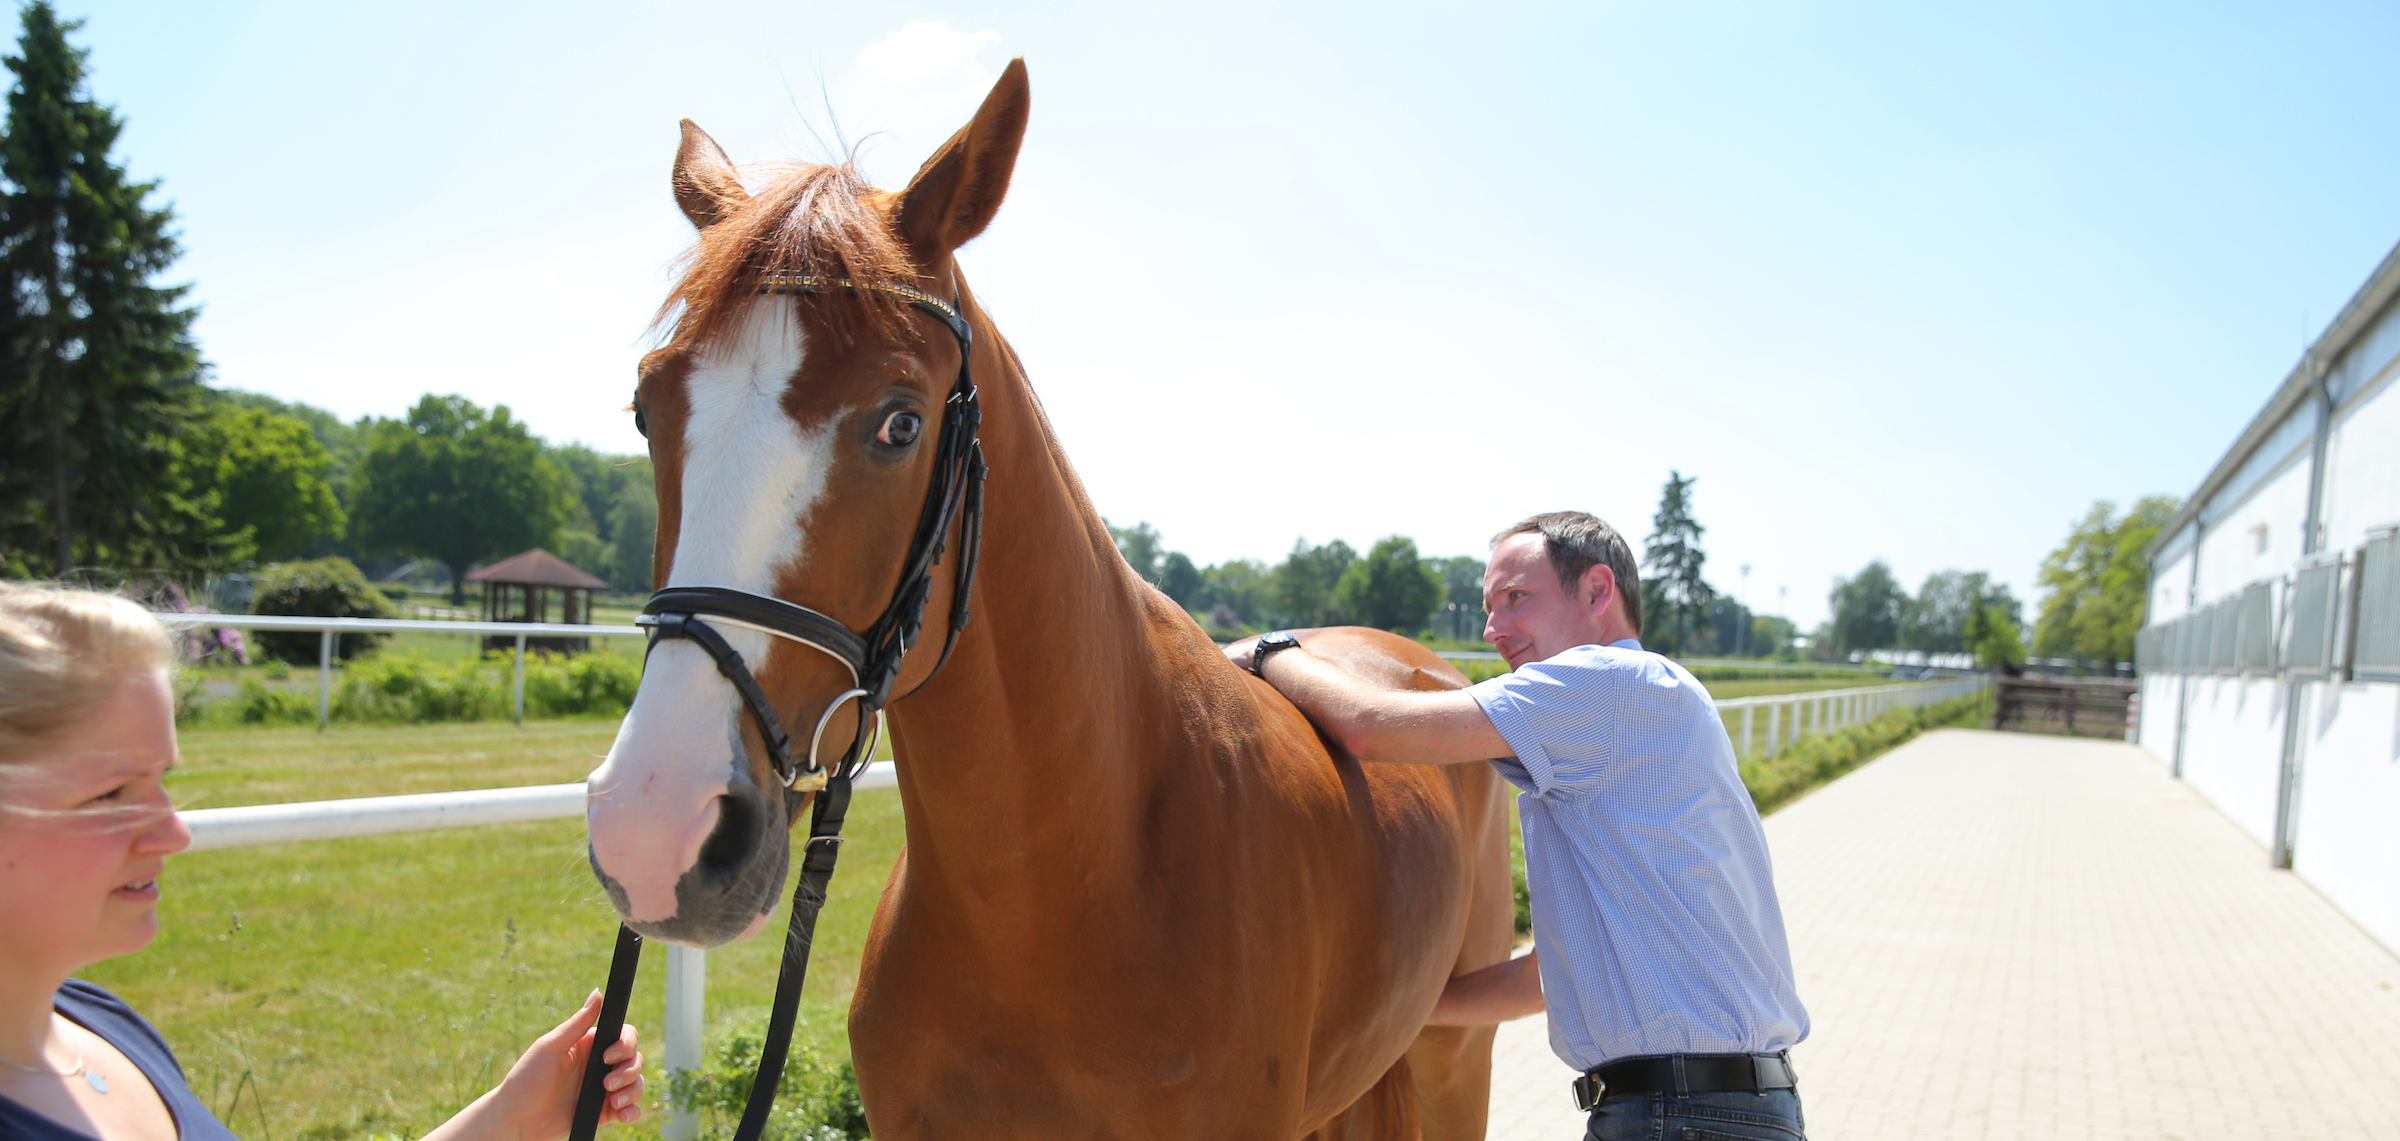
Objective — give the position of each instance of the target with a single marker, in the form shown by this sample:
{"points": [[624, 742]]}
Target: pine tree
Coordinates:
{"points": [[1676, 598], [98, 370]]}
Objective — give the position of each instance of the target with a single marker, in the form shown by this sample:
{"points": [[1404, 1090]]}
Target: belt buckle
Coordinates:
{"points": [[1589, 1089]]}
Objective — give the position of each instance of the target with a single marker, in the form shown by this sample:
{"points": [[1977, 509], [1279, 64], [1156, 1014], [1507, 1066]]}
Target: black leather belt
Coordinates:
{"points": [[1686, 1073]]}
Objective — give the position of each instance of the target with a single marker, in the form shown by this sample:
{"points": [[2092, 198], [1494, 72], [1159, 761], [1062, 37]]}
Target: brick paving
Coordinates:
{"points": [[2008, 936]]}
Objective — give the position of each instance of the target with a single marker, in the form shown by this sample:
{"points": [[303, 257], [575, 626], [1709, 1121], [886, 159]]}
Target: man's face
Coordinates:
{"points": [[1533, 617]]}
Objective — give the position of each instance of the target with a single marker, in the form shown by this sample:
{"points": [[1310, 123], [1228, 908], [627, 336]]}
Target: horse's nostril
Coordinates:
{"points": [[736, 838]]}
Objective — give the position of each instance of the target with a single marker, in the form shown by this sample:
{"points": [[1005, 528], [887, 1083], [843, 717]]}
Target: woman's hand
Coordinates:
{"points": [[536, 1101]]}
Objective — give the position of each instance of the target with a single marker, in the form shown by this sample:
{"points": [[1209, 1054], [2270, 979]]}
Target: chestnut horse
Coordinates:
{"points": [[1140, 896]]}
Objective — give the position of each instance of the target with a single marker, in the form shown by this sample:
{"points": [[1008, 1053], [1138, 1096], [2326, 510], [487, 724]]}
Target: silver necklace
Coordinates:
{"points": [[99, 1084]]}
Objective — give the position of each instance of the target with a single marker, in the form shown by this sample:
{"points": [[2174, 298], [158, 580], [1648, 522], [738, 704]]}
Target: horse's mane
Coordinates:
{"points": [[812, 221]]}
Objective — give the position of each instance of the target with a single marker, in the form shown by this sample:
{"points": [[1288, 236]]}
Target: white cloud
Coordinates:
{"points": [[927, 54]]}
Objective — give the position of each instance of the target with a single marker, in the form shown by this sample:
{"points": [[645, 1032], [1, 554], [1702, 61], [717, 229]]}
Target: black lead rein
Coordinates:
{"points": [[874, 658]]}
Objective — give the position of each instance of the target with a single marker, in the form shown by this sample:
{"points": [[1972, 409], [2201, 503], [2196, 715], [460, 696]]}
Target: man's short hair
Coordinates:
{"points": [[1578, 541]]}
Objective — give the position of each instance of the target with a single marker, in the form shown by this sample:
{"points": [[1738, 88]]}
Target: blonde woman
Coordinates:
{"points": [[87, 734]]}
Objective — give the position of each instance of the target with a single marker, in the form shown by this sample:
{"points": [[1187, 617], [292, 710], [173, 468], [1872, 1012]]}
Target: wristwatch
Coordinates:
{"points": [[1268, 646]]}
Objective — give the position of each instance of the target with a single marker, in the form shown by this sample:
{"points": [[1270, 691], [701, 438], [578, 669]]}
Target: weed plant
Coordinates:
{"points": [[817, 1100]]}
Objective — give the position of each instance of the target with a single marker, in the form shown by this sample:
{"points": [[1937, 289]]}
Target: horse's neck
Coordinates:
{"points": [[1046, 736]]}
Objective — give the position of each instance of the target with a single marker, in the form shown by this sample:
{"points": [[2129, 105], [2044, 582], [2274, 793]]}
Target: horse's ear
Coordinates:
{"points": [[956, 192], [705, 183]]}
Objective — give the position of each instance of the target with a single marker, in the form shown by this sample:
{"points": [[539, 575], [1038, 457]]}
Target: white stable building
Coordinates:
{"points": [[2270, 664]]}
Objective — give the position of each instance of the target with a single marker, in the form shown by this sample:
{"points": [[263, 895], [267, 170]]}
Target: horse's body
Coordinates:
{"points": [[1140, 897]]}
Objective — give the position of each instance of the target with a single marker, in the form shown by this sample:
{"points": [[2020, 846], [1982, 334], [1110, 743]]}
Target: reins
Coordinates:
{"points": [[873, 658]]}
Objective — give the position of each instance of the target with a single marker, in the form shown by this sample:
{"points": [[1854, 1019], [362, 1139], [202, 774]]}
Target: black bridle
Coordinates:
{"points": [[873, 659]]}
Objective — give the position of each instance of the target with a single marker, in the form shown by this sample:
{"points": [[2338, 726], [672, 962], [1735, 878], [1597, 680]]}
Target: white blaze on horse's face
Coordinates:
{"points": [[750, 477]]}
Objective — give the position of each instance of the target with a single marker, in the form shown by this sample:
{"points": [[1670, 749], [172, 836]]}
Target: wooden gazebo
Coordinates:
{"points": [[518, 589]]}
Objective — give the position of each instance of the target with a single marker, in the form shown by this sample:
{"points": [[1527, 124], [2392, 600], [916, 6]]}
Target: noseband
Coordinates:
{"points": [[873, 659]]}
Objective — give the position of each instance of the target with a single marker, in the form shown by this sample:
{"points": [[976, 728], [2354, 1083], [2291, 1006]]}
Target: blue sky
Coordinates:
{"points": [[1917, 282]]}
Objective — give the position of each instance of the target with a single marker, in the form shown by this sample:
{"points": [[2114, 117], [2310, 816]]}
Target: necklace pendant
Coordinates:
{"points": [[99, 1084]]}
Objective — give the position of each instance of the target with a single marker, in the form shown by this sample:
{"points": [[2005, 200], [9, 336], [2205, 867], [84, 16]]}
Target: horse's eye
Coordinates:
{"points": [[641, 420], [900, 429]]}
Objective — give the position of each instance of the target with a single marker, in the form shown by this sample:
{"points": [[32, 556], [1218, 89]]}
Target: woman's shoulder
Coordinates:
{"points": [[100, 1011]]}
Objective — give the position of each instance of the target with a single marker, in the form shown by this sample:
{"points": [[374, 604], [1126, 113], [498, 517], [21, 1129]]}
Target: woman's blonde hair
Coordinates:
{"points": [[62, 652]]}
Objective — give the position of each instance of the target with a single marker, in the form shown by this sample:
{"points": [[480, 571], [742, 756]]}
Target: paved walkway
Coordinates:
{"points": [[2007, 936]]}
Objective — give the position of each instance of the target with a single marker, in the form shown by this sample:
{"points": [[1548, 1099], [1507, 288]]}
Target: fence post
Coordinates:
{"points": [[324, 677], [1774, 727], [520, 679], [687, 1001], [1747, 710]]}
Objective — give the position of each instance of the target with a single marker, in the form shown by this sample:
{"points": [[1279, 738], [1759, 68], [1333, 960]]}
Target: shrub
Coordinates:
{"points": [[817, 1100], [259, 705], [412, 688], [580, 686], [321, 588]]}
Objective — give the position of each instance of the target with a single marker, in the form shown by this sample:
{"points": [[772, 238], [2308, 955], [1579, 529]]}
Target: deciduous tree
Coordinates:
{"points": [[265, 474], [1300, 588], [1390, 589], [457, 484], [1866, 609], [2098, 582]]}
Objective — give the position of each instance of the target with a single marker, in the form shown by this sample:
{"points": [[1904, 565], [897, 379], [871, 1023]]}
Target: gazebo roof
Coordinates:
{"points": [[538, 567]]}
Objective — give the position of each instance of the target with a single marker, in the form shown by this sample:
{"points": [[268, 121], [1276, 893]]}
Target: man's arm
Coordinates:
{"points": [[1497, 993], [1373, 723]]}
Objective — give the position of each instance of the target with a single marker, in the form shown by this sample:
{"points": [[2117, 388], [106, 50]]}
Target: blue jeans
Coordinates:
{"points": [[1770, 1116]]}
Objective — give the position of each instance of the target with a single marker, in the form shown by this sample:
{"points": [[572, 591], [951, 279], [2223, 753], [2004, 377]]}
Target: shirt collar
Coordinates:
{"points": [[1626, 644]]}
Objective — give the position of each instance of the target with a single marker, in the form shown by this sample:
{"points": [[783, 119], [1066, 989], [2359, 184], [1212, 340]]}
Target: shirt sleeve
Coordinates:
{"points": [[1559, 716]]}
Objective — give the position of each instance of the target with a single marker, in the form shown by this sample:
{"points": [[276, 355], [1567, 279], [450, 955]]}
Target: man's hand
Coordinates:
{"points": [[1497, 993], [536, 1101], [1238, 652]]}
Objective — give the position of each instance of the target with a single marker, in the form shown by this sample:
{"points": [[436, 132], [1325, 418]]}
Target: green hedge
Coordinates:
{"points": [[412, 689]]}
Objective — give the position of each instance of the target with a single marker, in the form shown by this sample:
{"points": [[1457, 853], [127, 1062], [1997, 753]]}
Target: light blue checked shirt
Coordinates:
{"points": [[1653, 901]]}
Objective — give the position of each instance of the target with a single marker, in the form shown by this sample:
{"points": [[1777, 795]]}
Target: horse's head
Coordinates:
{"points": [[794, 434]]}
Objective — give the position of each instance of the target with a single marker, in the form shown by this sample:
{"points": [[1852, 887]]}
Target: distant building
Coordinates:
{"points": [[519, 589], [2270, 664]]}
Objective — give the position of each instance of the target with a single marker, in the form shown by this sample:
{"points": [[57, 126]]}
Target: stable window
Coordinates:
{"points": [[2316, 592], [2224, 628], [2375, 646], [2255, 652]]}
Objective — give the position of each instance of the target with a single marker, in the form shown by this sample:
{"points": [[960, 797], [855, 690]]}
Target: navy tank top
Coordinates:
{"points": [[106, 1015]]}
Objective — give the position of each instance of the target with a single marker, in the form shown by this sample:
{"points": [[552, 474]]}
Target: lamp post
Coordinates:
{"points": [[1741, 633]]}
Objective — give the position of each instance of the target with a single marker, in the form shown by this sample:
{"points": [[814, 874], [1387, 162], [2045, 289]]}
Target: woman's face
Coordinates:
{"points": [[84, 832]]}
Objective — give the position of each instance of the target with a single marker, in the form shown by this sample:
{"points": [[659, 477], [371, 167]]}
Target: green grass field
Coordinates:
{"points": [[370, 987]]}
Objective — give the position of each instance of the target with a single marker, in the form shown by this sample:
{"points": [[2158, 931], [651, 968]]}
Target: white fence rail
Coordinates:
{"points": [[1791, 716]]}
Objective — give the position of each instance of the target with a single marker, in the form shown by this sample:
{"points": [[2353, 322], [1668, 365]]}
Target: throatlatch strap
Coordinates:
{"points": [[808, 898], [605, 1033]]}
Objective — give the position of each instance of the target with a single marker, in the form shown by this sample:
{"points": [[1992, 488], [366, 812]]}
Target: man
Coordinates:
{"points": [[1658, 941]]}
